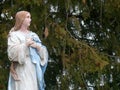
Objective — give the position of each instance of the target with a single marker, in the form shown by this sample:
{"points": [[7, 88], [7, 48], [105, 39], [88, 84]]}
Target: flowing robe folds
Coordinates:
{"points": [[25, 69]]}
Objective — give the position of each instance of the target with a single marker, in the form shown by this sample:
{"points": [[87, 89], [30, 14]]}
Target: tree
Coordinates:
{"points": [[82, 38]]}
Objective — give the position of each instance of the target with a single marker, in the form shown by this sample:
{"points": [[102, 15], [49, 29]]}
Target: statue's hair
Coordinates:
{"points": [[19, 18]]}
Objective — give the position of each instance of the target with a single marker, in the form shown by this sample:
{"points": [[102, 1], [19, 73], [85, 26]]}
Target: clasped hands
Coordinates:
{"points": [[30, 42]]}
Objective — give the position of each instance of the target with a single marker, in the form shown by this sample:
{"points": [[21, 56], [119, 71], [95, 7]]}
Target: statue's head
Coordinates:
{"points": [[19, 18]]}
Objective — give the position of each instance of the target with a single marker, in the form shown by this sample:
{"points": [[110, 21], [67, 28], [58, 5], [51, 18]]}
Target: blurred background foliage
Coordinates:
{"points": [[82, 37]]}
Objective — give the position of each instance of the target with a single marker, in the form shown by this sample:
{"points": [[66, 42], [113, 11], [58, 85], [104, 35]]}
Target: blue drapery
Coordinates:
{"points": [[36, 59]]}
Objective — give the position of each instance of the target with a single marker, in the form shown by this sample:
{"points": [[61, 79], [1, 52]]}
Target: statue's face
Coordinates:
{"points": [[27, 20]]}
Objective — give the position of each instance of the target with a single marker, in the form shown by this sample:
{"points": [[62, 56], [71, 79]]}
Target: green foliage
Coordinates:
{"points": [[3, 79], [77, 58], [74, 57]]}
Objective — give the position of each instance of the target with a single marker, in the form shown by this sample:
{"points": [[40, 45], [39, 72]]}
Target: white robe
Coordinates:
{"points": [[19, 52]]}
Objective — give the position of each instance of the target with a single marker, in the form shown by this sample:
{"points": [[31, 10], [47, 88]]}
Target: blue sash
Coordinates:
{"points": [[36, 59]]}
